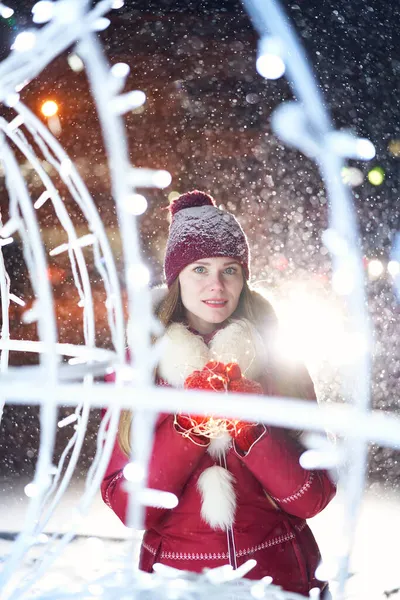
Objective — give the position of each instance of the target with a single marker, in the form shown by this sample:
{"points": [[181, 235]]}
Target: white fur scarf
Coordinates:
{"points": [[184, 352]]}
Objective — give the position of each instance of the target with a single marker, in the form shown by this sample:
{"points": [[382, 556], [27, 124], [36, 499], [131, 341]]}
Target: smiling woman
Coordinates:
{"points": [[242, 492], [210, 292]]}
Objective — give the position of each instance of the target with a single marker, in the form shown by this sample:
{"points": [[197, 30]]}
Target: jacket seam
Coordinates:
{"points": [[304, 488], [113, 481]]}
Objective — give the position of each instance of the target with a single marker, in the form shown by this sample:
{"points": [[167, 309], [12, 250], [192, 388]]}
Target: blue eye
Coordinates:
{"points": [[199, 269], [230, 270]]}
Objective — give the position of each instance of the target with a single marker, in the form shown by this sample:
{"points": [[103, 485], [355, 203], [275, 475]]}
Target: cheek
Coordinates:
{"points": [[190, 291], [237, 290]]}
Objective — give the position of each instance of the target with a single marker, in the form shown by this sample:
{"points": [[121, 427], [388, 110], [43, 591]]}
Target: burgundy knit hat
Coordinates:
{"points": [[201, 230]]}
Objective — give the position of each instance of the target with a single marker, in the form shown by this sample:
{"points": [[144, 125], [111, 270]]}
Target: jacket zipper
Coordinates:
{"points": [[230, 537]]}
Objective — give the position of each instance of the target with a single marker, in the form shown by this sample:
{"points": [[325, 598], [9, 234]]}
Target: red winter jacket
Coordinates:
{"points": [[274, 496]]}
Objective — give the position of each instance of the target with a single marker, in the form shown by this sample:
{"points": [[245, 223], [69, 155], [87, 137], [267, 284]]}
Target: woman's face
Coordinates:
{"points": [[210, 291]]}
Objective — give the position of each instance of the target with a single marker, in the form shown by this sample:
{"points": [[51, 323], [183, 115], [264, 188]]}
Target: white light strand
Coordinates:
{"points": [[5, 320], [36, 261], [306, 125]]}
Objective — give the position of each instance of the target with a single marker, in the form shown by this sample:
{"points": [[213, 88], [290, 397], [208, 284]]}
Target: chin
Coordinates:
{"points": [[217, 318]]}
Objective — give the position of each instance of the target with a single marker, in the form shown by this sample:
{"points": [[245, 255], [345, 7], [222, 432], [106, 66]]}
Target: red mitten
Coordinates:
{"points": [[233, 371], [246, 434], [245, 386], [211, 378], [186, 426]]}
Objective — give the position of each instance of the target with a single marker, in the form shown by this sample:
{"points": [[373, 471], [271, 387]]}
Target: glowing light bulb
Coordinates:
{"points": [[43, 11], [5, 11], [162, 179], [133, 472], [120, 70], [270, 66], [101, 24], [24, 41], [376, 176], [393, 268], [31, 490], [173, 196], [365, 149], [149, 178], [352, 176], [394, 147], [136, 204], [75, 62], [375, 268], [49, 108], [127, 102], [270, 62]]}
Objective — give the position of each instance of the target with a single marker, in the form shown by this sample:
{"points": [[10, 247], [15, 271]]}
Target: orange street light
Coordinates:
{"points": [[49, 108]]}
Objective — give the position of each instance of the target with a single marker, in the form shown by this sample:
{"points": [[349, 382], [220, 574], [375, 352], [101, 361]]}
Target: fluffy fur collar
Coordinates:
{"points": [[184, 352]]}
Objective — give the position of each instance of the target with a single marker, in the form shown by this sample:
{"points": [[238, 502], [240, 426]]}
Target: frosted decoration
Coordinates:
{"points": [[24, 41], [394, 264], [5, 11], [306, 125], [42, 11], [66, 372]]}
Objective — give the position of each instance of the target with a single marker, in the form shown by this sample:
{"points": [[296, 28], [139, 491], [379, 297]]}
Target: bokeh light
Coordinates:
{"points": [[394, 147], [376, 176], [49, 108], [43, 11], [270, 66], [5, 11], [173, 196], [393, 268], [24, 41], [352, 176], [313, 328], [375, 268], [136, 204]]}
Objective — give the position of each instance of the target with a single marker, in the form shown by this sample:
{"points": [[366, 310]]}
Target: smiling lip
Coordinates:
{"points": [[215, 303]]}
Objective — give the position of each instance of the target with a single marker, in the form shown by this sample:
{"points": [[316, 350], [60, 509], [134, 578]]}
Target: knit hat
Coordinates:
{"points": [[201, 230]]}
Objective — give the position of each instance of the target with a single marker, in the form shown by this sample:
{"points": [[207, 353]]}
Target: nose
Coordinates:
{"points": [[216, 282]]}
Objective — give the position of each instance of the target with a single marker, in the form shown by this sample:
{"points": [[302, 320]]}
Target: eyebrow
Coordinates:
{"points": [[204, 262]]}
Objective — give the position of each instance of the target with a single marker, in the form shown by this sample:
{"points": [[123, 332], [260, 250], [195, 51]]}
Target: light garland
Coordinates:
{"points": [[69, 23]]}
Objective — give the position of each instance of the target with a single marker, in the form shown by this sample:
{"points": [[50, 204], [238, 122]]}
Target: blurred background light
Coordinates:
{"points": [[376, 176], [49, 108], [375, 268]]}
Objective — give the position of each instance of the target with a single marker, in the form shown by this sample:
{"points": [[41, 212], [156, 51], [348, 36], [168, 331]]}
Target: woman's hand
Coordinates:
{"points": [[245, 434], [218, 377]]}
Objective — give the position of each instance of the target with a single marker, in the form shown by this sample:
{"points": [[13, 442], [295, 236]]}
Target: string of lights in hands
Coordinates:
{"points": [[223, 378]]}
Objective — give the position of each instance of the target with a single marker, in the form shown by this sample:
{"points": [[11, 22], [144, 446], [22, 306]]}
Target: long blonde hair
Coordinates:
{"points": [[259, 311]]}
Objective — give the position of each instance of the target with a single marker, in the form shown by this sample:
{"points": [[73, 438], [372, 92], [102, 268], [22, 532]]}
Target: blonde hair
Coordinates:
{"points": [[259, 311]]}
